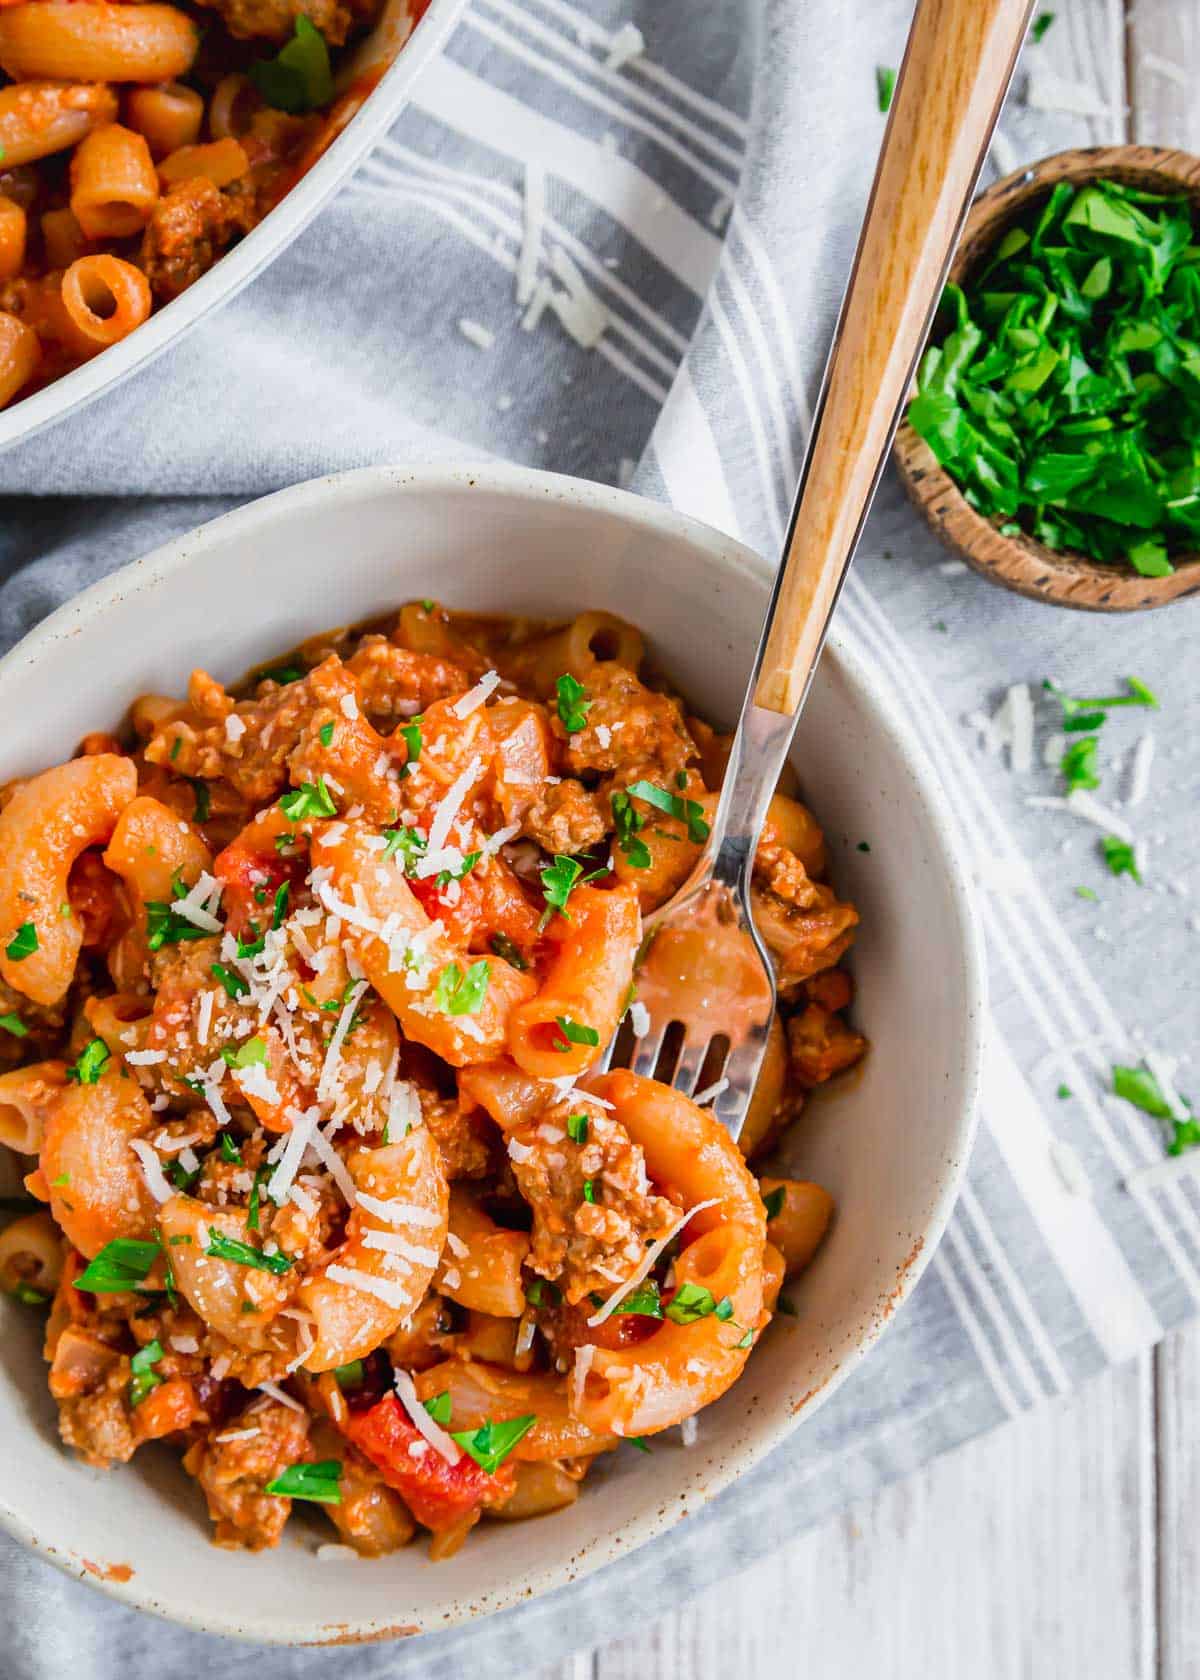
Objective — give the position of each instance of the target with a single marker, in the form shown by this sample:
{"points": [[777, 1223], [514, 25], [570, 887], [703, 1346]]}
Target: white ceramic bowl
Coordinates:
{"points": [[240, 265], [891, 1147]]}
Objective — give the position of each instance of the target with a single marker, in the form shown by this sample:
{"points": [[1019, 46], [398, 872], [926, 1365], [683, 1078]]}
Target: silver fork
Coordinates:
{"points": [[957, 67]]}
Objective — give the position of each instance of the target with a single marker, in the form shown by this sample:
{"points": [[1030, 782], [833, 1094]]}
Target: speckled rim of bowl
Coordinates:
{"points": [[26, 417], [1062, 578], [647, 519]]}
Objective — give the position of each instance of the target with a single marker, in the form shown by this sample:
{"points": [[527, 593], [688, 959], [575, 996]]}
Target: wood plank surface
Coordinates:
{"points": [[1065, 1546]]}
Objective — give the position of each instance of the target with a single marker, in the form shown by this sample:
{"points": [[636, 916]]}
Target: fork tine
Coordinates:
{"points": [[646, 1050], [690, 1064]]}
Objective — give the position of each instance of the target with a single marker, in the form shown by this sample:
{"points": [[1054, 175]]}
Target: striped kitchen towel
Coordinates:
{"points": [[696, 175]]}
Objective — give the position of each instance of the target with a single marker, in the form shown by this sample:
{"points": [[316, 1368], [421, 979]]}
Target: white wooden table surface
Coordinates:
{"points": [[1064, 1545]]}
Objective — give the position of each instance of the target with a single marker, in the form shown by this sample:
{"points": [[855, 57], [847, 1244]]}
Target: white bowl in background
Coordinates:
{"points": [[891, 1146], [27, 416]]}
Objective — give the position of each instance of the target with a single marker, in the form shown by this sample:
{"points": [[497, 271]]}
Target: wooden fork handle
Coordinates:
{"points": [[957, 67]]}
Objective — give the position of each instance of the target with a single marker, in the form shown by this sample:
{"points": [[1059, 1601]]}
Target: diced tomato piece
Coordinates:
{"points": [[251, 880], [569, 1326], [438, 1494]]}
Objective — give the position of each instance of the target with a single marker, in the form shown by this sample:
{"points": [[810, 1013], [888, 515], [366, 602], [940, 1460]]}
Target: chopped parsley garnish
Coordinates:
{"points": [[180, 1177], [411, 733], [202, 794], [23, 943], [165, 926], [1078, 763], [885, 85], [299, 77], [644, 1301], [229, 1150], [627, 822], [559, 880], [688, 811], [121, 1264], [282, 674], [308, 801], [1062, 394], [439, 1408], [692, 1302], [12, 1023], [573, 704], [252, 945], [589, 1190], [1041, 24], [787, 1306], [144, 1377], [1062, 1092], [1086, 892], [640, 1442], [746, 1341], [252, 1206], [863, 846], [457, 993], [27, 1294], [773, 1201], [491, 1443], [63, 1179], [410, 843], [325, 734], [1120, 858], [577, 1128], [281, 905], [233, 983], [320, 1481], [574, 1033], [91, 1063], [1139, 1087], [504, 948], [352, 1375], [176, 745], [252, 1053], [221, 1247], [542, 1293]]}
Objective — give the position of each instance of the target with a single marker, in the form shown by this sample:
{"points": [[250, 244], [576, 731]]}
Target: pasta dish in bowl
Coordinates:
{"points": [[143, 144], [304, 983]]}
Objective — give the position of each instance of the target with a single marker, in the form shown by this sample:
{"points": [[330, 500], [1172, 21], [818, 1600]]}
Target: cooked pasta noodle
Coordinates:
{"points": [[126, 147], [306, 982]]}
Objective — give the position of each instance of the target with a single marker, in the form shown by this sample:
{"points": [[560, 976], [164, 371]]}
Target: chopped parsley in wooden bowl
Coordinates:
{"points": [[1053, 438]]}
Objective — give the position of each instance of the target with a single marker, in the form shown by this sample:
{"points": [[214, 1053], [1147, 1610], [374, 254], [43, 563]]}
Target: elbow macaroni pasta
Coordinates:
{"points": [[302, 989], [171, 154]]}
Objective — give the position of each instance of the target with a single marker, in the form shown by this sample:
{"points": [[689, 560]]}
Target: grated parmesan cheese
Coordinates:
{"points": [[277, 1393], [333, 1055], [1139, 771], [145, 1058], [531, 242], [152, 1172], [639, 1018], [480, 336], [398, 1213], [1020, 717], [234, 728], [710, 1093], [391, 1294], [406, 1393], [391, 1242], [294, 1143], [466, 703], [689, 1432]]}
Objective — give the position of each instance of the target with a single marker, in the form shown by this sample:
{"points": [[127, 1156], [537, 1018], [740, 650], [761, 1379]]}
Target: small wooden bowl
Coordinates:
{"points": [[1022, 563]]}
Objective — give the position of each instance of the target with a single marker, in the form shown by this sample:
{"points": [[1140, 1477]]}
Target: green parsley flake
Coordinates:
{"points": [[885, 85], [409, 843], [165, 926], [221, 1247], [640, 1442], [589, 1190], [1086, 892], [279, 914], [282, 674], [352, 1375], [299, 77], [1063, 1092], [504, 948], [229, 1150], [573, 704], [1120, 858], [491, 1444], [27, 1294], [121, 1264], [318, 1482], [411, 735], [577, 1128], [91, 1064], [439, 1407], [445, 876], [202, 794], [23, 943], [1040, 25], [145, 1377], [457, 993], [12, 1023], [773, 1201], [644, 1301], [252, 1053], [627, 822], [233, 983], [692, 1302], [688, 811], [574, 1033], [308, 801], [1078, 764], [325, 734]]}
